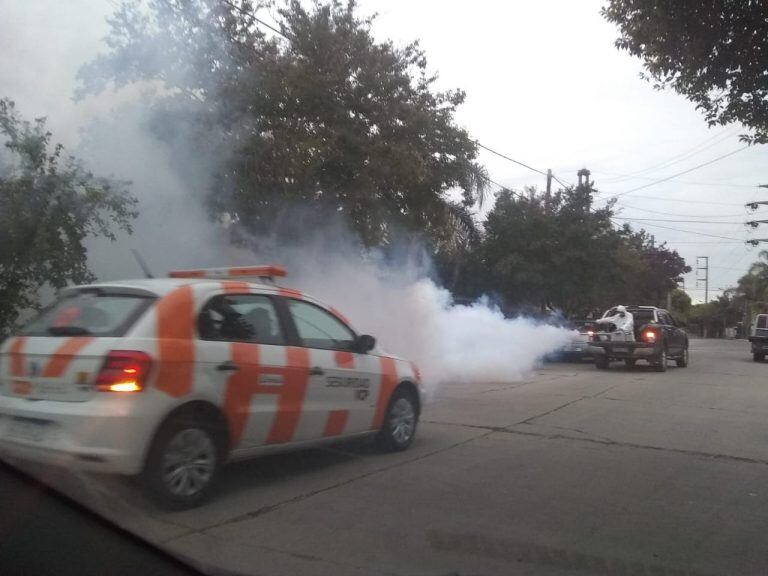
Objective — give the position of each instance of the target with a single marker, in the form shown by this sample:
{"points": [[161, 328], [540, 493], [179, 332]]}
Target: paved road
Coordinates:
{"points": [[574, 471]]}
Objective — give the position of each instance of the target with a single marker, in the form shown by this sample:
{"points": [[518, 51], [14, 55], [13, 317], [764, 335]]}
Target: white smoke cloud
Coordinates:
{"points": [[395, 300], [392, 298]]}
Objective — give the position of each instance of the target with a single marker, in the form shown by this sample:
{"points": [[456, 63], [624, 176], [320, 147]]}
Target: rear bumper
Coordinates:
{"points": [[102, 435], [585, 349], [759, 344], [631, 350]]}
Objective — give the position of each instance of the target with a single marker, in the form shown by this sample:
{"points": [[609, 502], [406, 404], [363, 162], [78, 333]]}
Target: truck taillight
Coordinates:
{"points": [[124, 371], [649, 336]]}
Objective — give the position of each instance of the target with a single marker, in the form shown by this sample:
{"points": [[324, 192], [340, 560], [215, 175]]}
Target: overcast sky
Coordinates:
{"points": [[544, 85]]}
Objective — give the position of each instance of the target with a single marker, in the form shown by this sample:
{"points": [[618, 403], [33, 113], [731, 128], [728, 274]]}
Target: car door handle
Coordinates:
{"points": [[227, 367], [316, 371]]}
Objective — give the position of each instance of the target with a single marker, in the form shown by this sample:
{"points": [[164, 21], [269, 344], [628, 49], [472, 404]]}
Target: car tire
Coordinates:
{"points": [[183, 464], [757, 357], [400, 422], [660, 364], [630, 362], [601, 363], [683, 361]]}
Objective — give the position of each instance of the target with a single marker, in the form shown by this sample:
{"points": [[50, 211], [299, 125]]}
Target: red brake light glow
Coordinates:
{"points": [[124, 371], [649, 336]]}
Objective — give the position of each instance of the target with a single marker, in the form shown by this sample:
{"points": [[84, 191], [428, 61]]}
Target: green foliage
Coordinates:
{"points": [[325, 116], [558, 252], [681, 304], [713, 53], [48, 205], [738, 304]]}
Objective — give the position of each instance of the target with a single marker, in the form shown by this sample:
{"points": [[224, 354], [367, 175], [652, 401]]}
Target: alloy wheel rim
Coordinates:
{"points": [[188, 462], [403, 420]]}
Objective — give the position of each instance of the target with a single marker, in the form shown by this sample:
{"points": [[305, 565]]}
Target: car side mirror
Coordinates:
{"points": [[364, 343]]}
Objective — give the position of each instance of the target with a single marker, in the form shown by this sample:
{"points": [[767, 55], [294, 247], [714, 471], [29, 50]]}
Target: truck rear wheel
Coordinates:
{"points": [[630, 362], [758, 357], [682, 362], [660, 365], [601, 362]]}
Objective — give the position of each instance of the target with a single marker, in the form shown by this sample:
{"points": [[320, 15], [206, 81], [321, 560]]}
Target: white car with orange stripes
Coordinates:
{"points": [[170, 378]]}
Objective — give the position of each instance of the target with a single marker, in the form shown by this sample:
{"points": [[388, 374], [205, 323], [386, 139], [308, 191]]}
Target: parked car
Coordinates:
{"points": [[579, 348], [758, 337]]}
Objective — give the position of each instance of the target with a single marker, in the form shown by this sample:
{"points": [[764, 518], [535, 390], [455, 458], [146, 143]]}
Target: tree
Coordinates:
{"points": [[713, 53], [681, 303], [558, 252], [319, 115], [651, 271], [549, 251], [48, 205]]}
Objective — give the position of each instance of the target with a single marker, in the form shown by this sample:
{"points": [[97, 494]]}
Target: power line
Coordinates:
{"points": [[623, 205], [678, 221], [688, 231], [255, 18], [506, 188], [659, 181], [677, 158], [684, 182], [561, 182], [667, 199], [523, 164]]}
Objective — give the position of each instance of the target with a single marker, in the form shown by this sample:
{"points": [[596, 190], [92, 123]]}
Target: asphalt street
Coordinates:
{"points": [[572, 471]]}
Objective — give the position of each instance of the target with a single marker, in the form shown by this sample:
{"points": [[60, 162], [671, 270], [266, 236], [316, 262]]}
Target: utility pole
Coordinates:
{"points": [[755, 223], [549, 182], [705, 278], [583, 173]]}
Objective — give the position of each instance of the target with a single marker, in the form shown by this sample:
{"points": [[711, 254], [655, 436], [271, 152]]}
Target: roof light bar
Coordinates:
{"points": [[270, 272]]}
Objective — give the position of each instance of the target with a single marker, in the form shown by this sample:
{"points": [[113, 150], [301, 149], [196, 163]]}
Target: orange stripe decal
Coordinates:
{"points": [[387, 385], [289, 292], [245, 383], [63, 356], [175, 342], [16, 352], [187, 274], [292, 397], [337, 421], [266, 271], [344, 359], [416, 372], [240, 388], [233, 287]]}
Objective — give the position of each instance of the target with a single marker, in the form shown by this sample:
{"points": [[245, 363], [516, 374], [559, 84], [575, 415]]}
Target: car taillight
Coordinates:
{"points": [[124, 371], [649, 336]]}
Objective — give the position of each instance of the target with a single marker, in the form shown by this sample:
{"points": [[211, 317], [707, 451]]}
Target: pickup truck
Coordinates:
{"points": [[657, 339], [759, 337]]}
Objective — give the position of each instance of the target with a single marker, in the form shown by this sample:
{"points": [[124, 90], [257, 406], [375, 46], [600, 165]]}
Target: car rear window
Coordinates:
{"points": [[762, 321], [641, 315], [89, 313]]}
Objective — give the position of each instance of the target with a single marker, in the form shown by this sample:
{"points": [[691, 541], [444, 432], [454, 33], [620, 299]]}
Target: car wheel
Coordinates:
{"points": [[682, 362], [601, 362], [661, 361], [757, 357], [630, 362], [183, 464], [400, 422]]}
